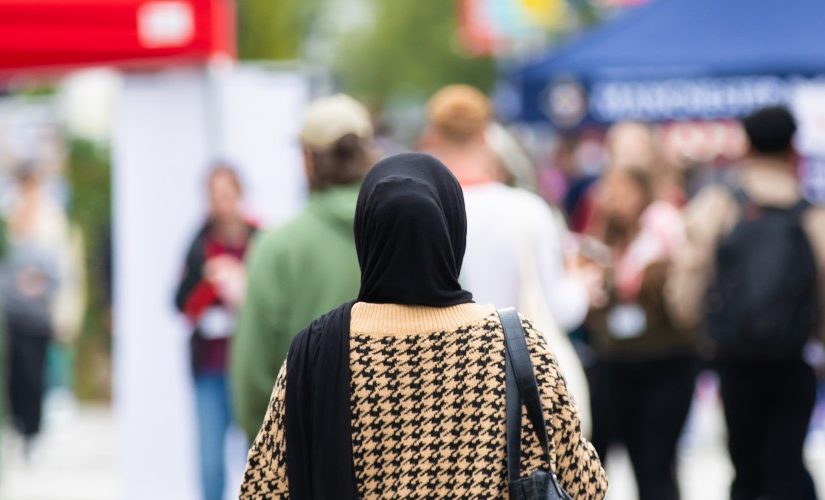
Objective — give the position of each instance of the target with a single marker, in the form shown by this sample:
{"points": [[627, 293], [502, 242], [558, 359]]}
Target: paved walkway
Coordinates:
{"points": [[74, 459]]}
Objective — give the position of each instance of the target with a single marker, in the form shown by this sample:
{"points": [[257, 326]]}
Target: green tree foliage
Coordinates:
{"points": [[89, 174], [273, 29], [408, 52]]}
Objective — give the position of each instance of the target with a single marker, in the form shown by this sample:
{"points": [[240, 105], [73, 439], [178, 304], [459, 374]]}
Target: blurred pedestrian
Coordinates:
{"points": [[637, 145], [753, 268], [580, 160], [400, 394], [503, 222], [209, 294], [515, 243], [31, 276], [308, 265], [3, 340], [643, 379], [633, 145]]}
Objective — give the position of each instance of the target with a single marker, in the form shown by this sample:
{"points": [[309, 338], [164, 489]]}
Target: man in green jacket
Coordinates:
{"points": [[307, 266]]}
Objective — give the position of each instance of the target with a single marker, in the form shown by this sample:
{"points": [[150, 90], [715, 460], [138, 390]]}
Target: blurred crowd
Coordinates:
{"points": [[654, 280], [641, 273]]}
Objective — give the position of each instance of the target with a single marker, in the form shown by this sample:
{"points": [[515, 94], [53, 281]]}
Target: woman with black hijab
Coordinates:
{"points": [[401, 393]]}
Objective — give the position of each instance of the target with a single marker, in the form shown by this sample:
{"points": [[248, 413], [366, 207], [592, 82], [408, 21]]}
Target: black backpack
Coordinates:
{"points": [[763, 301]]}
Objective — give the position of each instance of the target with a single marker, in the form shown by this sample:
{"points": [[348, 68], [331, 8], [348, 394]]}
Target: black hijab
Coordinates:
{"points": [[410, 234]]}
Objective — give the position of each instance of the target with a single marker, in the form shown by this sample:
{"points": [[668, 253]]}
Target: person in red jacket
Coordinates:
{"points": [[208, 295]]}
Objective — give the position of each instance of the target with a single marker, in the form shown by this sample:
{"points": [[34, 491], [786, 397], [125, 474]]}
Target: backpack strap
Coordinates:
{"points": [[800, 207], [740, 195], [747, 207], [743, 199]]}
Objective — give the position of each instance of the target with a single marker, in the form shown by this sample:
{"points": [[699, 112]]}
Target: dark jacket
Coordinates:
{"points": [[195, 295], [659, 338]]}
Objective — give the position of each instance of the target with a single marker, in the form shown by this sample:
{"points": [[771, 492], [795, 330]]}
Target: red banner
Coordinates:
{"points": [[65, 34]]}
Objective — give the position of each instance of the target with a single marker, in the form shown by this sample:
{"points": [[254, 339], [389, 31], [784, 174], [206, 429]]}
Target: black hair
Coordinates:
{"points": [[615, 231], [770, 130]]}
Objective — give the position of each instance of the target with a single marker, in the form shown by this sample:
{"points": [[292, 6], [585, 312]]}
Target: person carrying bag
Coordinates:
{"points": [[401, 393]]}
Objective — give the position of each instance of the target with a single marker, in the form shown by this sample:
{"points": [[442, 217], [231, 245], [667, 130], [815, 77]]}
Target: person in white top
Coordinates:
{"points": [[505, 224], [515, 243]]}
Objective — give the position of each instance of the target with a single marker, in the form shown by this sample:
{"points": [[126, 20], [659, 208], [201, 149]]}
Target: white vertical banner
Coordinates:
{"points": [[260, 113], [163, 147]]}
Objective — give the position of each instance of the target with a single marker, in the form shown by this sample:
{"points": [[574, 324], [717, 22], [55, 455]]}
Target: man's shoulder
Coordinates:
{"points": [[507, 198], [268, 238], [283, 235], [712, 197], [289, 228], [527, 198]]}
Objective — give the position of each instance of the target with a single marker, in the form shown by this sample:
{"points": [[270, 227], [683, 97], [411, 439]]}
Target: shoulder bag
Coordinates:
{"points": [[521, 388]]}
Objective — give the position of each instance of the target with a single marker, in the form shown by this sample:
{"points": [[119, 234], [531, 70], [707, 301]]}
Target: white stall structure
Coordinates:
{"points": [[170, 126]]}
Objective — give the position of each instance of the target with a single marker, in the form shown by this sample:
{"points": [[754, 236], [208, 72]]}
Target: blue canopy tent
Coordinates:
{"points": [[675, 59]]}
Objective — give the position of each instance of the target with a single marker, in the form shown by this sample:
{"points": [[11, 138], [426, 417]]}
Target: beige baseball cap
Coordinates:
{"points": [[330, 118]]}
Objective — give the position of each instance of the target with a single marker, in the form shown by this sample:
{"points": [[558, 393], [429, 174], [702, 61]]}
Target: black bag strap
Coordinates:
{"points": [[801, 206], [521, 387], [743, 199], [741, 196]]}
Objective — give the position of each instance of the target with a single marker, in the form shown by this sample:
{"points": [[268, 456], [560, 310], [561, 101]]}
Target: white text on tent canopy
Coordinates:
{"points": [[165, 24], [656, 100]]}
